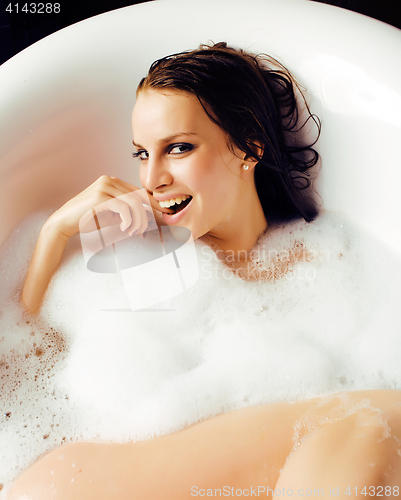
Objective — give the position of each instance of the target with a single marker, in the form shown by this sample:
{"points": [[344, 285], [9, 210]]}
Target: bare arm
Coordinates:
{"points": [[45, 261], [114, 203]]}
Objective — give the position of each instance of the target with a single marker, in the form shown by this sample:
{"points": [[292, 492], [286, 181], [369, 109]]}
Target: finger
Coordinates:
{"points": [[124, 186], [107, 218], [139, 201], [141, 213], [110, 186], [140, 222], [141, 225], [146, 197], [115, 187], [119, 207], [139, 219]]}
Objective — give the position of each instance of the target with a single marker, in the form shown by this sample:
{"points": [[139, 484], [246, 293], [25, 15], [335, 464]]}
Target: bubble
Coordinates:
{"points": [[90, 369]]}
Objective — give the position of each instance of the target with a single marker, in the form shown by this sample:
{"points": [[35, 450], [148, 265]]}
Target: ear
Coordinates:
{"points": [[257, 148]]}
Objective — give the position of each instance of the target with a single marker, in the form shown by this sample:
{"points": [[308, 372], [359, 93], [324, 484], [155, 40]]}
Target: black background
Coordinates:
{"points": [[17, 31]]}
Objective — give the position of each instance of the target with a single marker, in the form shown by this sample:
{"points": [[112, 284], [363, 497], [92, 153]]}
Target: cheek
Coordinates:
{"points": [[142, 175], [208, 171], [193, 174]]}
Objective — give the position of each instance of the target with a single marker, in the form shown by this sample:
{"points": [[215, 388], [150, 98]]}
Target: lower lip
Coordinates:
{"points": [[175, 218]]}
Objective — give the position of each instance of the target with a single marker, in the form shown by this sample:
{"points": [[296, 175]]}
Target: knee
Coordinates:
{"points": [[371, 446], [357, 450]]}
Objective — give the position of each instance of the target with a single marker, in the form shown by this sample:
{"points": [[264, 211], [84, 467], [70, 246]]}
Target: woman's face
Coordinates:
{"points": [[183, 152]]}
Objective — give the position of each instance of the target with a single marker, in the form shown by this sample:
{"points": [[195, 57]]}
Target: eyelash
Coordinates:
{"points": [[188, 147], [137, 154]]}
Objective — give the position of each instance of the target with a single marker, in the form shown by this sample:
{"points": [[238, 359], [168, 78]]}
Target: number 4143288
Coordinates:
{"points": [[374, 491], [34, 8]]}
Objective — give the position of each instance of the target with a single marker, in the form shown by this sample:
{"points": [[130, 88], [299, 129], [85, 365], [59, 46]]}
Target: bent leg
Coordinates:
{"points": [[238, 449], [308, 444], [349, 457]]}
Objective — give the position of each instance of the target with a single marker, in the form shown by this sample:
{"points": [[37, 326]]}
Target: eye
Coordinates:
{"points": [[142, 154], [179, 149]]}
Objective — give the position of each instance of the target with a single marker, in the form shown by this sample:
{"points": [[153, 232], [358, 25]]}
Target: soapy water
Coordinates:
{"points": [[89, 368]]}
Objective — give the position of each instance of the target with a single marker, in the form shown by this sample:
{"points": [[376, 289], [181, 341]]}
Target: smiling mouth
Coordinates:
{"points": [[177, 207]]}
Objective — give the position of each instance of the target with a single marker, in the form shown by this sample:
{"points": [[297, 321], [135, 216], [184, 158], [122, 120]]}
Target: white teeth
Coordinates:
{"points": [[173, 201]]}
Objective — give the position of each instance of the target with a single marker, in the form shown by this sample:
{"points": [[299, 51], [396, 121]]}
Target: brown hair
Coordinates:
{"points": [[253, 98]]}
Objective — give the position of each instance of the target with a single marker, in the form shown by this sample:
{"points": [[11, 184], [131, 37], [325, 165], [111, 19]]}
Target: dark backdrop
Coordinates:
{"points": [[18, 30]]}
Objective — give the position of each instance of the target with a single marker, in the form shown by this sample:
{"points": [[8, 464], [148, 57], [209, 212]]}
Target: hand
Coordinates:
{"points": [[113, 201]]}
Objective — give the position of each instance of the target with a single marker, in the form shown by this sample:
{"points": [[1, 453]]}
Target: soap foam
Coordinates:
{"points": [[89, 369]]}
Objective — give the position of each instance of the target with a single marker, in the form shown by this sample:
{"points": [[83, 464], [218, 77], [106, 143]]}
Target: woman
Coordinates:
{"points": [[244, 165], [222, 151]]}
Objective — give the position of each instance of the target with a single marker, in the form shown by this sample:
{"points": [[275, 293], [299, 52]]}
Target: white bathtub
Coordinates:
{"points": [[65, 119], [66, 101]]}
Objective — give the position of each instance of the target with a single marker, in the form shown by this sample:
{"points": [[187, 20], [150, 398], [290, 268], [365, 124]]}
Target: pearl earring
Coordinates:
{"points": [[245, 167]]}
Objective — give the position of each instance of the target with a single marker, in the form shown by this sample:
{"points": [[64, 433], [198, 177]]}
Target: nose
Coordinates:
{"points": [[156, 174]]}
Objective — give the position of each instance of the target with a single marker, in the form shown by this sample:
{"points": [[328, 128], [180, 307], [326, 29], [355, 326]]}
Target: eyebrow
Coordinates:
{"points": [[167, 139]]}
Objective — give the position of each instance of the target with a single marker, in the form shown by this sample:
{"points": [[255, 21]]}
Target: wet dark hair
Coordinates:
{"points": [[254, 99]]}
